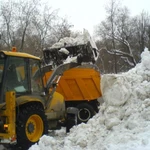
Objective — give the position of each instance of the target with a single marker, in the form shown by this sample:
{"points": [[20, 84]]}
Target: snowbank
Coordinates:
{"points": [[123, 121]]}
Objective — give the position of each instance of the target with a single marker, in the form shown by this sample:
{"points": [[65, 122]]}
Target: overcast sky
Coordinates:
{"points": [[88, 13]]}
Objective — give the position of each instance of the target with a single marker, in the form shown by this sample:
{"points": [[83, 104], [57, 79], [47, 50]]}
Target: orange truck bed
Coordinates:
{"points": [[78, 84]]}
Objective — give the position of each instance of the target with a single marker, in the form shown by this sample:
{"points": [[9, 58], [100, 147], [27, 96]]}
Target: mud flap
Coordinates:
{"points": [[71, 118]]}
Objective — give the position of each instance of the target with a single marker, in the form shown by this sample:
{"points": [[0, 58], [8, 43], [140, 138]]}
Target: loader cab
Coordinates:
{"points": [[17, 74]]}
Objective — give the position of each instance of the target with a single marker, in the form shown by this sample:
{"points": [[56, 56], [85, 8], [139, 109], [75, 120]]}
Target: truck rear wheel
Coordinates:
{"points": [[31, 125], [85, 112]]}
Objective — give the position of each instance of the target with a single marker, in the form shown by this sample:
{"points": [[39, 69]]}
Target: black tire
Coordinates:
{"points": [[28, 117], [85, 112]]}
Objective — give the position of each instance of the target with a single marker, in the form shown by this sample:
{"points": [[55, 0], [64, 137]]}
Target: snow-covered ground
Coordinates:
{"points": [[123, 121]]}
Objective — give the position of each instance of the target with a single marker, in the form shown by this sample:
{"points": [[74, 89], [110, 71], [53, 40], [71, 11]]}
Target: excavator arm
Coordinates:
{"points": [[58, 72], [52, 82]]}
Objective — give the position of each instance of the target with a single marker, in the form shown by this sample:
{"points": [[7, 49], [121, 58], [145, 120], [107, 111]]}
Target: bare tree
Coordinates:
{"points": [[61, 29], [50, 28], [112, 10], [124, 33], [27, 11], [42, 26], [142, 23], [148, 35], [8, 26], [31, 25], [16, 17], [117, 28]]}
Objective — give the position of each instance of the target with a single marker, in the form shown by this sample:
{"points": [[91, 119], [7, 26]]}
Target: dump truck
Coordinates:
{"points": [[28, 109], [81, 89], [80, 86]]}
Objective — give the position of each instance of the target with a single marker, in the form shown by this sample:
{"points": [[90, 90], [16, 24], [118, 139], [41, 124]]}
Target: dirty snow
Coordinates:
{"points": [[123, 121]]}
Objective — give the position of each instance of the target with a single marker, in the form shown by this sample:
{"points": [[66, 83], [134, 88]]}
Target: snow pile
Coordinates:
{"points": [[123, 121], [70, 41]]}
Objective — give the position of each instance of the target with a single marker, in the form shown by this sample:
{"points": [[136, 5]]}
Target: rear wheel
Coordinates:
{"points": [[85, 112], [31, 125], [34, 127]]}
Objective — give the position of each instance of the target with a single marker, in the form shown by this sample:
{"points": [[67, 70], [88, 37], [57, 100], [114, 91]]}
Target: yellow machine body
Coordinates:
{"points": [[55, 111], [8, 119], [53, 105], [56, 107]]}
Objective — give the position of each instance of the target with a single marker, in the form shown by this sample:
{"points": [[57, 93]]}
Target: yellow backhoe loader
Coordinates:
{"points": [[36, 97], [28, 109]]}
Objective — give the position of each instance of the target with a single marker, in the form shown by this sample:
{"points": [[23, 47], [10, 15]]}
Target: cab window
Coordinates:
{"points": [[16, 75], [36, 80]]}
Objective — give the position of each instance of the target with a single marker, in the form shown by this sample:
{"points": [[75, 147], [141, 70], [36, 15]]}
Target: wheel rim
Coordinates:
{"points": [[34, 128], [84, 114]]}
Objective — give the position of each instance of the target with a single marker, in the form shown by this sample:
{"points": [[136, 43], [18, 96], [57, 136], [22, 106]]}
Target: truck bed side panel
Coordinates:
{"points": [[79, 84]]}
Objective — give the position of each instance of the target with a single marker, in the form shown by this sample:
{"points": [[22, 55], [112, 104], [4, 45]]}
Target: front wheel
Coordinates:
{"points": [[85, 112], [31, 125]]}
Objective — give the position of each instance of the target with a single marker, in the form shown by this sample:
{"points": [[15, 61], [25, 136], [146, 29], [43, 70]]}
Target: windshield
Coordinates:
{"points": [[16, 75], [20, 75], [36, 80]]}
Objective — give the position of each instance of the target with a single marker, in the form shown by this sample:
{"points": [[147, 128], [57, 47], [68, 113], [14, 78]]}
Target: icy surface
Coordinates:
{"points": [[123, 122]]}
